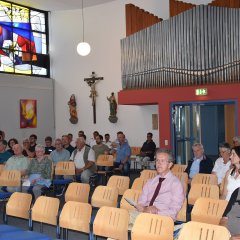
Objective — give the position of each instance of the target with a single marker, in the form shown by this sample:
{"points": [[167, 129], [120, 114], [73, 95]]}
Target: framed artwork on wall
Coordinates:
{"points": [[28, 113]]}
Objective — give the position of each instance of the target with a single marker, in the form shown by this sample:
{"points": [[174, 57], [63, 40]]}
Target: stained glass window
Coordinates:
{"points": [[23, 40]]}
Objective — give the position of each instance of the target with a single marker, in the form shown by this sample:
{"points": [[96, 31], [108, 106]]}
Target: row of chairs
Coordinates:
{"points": [[109, 221]]}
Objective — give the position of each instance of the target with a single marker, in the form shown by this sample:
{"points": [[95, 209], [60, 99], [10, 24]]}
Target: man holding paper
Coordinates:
{"points": [[164, 194]]}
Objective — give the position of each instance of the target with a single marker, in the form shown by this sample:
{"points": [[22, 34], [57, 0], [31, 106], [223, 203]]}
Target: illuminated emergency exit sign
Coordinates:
{"points": [[201, 92]]}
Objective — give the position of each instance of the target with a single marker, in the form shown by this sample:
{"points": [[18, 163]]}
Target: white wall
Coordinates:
{"points": [[12, 89], [104, 27]]}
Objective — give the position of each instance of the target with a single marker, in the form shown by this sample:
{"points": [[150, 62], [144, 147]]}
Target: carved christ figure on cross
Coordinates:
{"points": [[92, 81]]}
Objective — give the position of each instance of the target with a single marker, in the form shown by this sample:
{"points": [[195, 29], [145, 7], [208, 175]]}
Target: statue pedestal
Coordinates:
{"points": [[113, 119]]}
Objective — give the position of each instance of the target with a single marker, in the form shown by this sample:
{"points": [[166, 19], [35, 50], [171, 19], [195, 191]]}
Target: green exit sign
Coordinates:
{"points": [[201, 92]]}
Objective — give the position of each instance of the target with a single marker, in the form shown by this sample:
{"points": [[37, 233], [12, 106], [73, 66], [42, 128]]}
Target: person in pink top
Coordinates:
{"points": [[169, 196]]}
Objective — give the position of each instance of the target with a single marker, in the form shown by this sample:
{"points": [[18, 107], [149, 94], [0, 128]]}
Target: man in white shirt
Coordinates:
{"points": [[84, 159], [222, 164]]}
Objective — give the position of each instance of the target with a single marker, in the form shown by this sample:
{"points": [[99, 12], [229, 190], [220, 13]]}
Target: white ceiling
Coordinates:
{"points": [[55, 5]]}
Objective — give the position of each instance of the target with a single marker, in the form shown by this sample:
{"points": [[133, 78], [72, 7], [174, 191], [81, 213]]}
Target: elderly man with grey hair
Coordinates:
{"points": [[236, 141], [39, 172], [84, 159], [164, 194], [200, 163]]}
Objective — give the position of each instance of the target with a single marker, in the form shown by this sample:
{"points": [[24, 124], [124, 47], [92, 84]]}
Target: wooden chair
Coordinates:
{"points": [[208, 210], [64, 168], [44, 210], [121, 182], [131, 194], [178, 168], [18, 205], [152, 227], [148, 174], [134, 152], [182, 215], [201, 178], [112, 223], [139, 183], [104, 196], [104, 160], [203, 231], [9, 178], [78, 192], [183, 177], [202, 190], [75, 216]]}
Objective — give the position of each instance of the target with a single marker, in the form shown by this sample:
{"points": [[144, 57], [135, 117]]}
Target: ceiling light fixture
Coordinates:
{"points": [[83, 48]]}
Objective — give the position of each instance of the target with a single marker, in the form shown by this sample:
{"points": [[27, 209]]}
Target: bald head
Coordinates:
{"points": [[17, 148]]}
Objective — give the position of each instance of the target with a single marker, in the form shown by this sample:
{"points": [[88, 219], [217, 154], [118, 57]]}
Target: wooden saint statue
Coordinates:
{"points": [[72, 109]]}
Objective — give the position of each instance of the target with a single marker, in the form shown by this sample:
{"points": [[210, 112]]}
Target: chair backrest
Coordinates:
{"points": [[65, 168], [183, 177], [177, 168], [76, 216], [111, 222], [203, 231], [138, 183], [208, 210], [104, 196], [182, 214], [148, 174], [105, 160], [121, 182], [135, 150], [78, 192], [131, 194], [19, 204], [10, 178], [45, 210], [201, 178], [152, 227], [202, 190]]}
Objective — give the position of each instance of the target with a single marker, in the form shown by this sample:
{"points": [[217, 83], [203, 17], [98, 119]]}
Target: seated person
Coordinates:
{"points": [[17, 162], [200, 162], [4, 154], [84, 159], [27, 151], [107, 140], [147, 151], [33, 142], [12, 142], [222, 164], [48, 145], [123, 155], [236, 141], [59, 154], [232, 178], [66, 144], [39, 172], [164, 194], [100, 148], [230, 218]]}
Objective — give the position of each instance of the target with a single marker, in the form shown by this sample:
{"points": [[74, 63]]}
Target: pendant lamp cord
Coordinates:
{"points": [[83, 20]]}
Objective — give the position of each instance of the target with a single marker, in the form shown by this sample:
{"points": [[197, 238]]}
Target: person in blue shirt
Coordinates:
{"points": [[4, 155], [122, 162]]}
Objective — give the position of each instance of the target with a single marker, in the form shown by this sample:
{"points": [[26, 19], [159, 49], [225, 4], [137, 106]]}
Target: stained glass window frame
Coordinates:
{"points": [[24, 44]]}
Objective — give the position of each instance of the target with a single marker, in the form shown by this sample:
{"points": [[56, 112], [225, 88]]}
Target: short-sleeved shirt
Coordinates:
{"points": [[232, 212], [220, 168], [123, 151], [17, 163], [58, 156], [100, 149], [78, 159], [4, 156]]}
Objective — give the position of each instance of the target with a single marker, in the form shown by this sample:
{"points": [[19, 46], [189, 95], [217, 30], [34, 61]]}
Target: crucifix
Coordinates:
{"points": [[92, 81]]}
